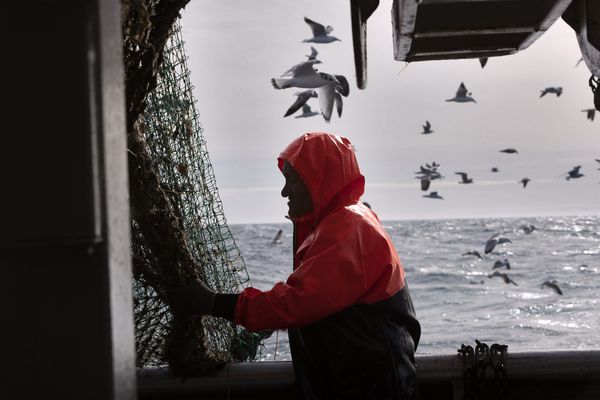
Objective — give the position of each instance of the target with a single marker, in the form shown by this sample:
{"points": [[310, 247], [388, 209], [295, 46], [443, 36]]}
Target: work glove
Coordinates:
{"points": [[194, 298]]}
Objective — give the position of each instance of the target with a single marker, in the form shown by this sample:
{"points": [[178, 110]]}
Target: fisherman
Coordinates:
{"points": [[351, 323]]}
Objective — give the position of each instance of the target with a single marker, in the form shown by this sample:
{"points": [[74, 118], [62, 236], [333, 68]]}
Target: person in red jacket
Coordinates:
{"points": [[351, 322]]}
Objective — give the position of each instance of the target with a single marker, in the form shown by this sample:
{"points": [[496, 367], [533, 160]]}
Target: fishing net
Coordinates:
{"points": [[179, 231]]}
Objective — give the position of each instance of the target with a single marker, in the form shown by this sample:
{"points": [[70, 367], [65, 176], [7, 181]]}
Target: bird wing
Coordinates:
{"points": [[462, 90], [313, 53], [300, 101], [490, 245], [344, 87], [325, 94], [339, 104], [575, 170], [427, 125], [317, 29], [306, 109], [302, 69]]}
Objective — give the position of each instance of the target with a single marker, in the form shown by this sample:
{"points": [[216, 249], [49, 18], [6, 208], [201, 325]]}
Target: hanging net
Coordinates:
{"points": [[178, 226]]}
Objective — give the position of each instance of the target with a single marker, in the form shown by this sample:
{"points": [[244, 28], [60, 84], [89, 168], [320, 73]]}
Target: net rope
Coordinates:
{"points": [[172, 139]]}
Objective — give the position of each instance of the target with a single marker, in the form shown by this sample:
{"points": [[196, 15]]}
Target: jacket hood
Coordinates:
{"points": [[328, 167]]}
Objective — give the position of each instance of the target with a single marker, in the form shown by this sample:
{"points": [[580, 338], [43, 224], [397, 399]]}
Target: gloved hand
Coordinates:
{"points": [[193, 298]]}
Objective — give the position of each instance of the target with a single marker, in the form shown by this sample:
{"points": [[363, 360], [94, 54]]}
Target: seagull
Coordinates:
{"points": [[473, 253], [433, 195], [462, 95], [503, 276], [483, 61], [527, 228], [426, 128], [552, 285], [509, 151], [303, 75], [306, 112], [465, 178], [501, 264], [331, 94], [320, 33], [495, 240], [591, 113], [290, 72], [524, 181], [313, 54], [574, 173], [300, 101], [495, 169], [277, 238], [555, 90]]}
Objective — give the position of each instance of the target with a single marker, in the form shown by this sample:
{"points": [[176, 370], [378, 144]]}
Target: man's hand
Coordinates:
{"points": [[193, 298]]}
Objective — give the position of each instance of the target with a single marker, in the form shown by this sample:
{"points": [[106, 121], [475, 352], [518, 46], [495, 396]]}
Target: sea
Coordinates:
{"points": [[455, 299]]}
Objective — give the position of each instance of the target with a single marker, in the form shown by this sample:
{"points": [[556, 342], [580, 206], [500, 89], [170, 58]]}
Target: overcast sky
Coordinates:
{"points": [[235, 47]]}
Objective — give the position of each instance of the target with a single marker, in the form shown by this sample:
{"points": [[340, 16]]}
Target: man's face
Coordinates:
{"points": [[294, 189]]}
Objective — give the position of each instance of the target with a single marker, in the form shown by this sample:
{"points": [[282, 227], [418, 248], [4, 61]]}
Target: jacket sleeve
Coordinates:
{"points": [[335, 273]]}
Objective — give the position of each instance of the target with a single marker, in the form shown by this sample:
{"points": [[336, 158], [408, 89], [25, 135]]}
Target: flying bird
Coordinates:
{"points": [[483, 61], [462, 95], [509, 151], [306, 112], [302, 98], [473, 253], [433, 195], [495, 169], [524, 181], [426, 128], [277, 238], [527, 228], [556, 90], [574, 173], [503, 276], [501, 264], [464, 177], [320, 33], [590, 112], [313, 54], [303, 75], [425, 182], [496, 239], [552, 285], [331, 94]]}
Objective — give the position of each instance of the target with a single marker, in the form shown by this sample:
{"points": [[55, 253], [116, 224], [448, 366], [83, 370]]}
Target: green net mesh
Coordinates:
{"points": [[172, 142]]}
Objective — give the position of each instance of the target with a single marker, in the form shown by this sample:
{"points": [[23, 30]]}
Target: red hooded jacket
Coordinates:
{"points": [[342, 254]]}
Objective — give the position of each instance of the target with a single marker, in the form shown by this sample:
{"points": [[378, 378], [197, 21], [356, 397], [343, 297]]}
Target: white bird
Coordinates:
{"points": [[556, 90], [462, 95], [302, 98], [433, 195], [465, 178], [303, 75], [313, 54], [300, 66], [306, 112], [495, 240], [426, 128], [590, 112], [320, 33]]}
